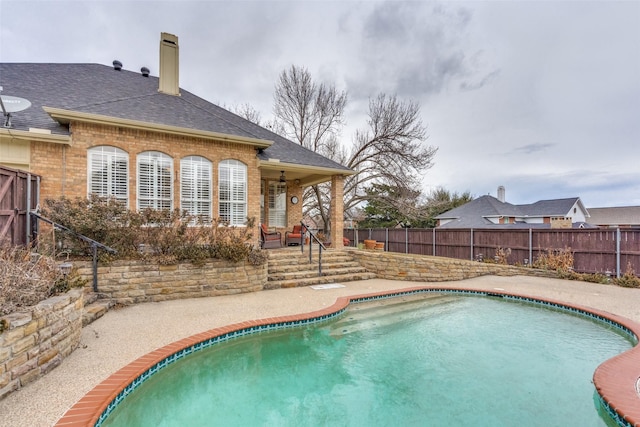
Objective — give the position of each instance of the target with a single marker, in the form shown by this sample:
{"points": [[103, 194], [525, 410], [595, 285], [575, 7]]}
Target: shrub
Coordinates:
{"points": [[167, 236], [555, 259], [628, 279], [257, 256], [231, 243], [502, 255], [585, 277], [26, 279]]}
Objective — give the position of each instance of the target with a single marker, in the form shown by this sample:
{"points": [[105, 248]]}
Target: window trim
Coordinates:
{"points": [[197, 164], [231, 167], [155, 199], [112, 154]]}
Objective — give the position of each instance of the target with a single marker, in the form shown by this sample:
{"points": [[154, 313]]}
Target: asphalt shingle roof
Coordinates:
{"points": [[100, 89], [623, 215], [474, 213], [555, 207]]}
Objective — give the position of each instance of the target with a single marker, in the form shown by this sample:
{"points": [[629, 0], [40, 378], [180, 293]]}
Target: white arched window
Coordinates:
{"points": [[108, 170], [195, 187], [232, 191], [155, 183]]}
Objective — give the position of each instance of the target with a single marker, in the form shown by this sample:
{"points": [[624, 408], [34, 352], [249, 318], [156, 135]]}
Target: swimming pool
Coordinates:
{"points": [[396, 367]]}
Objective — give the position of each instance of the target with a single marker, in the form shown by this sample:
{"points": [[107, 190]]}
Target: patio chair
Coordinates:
{"points": [[293, 237], [270, 239]]}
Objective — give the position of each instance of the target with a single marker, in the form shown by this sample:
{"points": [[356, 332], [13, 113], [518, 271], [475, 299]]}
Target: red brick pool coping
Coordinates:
{"points": [[617, 379]]}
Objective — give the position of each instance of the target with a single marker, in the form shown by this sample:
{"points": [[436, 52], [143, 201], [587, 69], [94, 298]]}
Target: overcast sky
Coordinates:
{"points": [[542, 97]]}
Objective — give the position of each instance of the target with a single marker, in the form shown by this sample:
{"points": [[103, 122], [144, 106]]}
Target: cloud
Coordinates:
{"points": [[493, 78], [486, 79], [532, 148], [411, 49]]}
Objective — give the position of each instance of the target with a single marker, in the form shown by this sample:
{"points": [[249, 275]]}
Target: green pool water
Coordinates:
{"points": [[428, 361]]}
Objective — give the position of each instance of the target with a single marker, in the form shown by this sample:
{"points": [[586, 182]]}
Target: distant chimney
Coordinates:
{"points": [[169, 58], [145, 71], [501, 193], [117, 65]]}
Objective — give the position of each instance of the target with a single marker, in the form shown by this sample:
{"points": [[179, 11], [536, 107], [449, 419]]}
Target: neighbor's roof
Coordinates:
{"points": [[624, 215], [101, 90], [554, 207], [474, 214]]}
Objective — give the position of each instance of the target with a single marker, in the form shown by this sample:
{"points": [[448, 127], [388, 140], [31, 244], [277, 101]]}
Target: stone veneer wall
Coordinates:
{"points": [[34, 342], [423, 268], [130, 282]]}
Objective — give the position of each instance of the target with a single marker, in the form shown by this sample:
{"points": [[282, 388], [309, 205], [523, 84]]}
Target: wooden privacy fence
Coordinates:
{"points": [[19, 193], [604, 251]]}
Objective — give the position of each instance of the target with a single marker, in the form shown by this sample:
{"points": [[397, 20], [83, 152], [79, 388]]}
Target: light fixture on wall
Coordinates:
{"points": [[282, 178]]}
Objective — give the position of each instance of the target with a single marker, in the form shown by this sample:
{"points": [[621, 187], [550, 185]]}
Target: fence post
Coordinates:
{"points": [[472, 244], [406, 240], [434, 241], [530, 246], [386, 239], [618, 238]]}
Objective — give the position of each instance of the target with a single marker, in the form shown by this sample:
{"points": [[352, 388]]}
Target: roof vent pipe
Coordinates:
{"points": [[144, 71], [117, 65]]}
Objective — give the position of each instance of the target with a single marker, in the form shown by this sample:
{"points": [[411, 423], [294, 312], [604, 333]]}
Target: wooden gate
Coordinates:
{"points": [[19, 194]]}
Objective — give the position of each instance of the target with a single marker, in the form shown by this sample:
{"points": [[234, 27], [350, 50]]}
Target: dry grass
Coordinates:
{"points": [[26, 279], [628, 279], [555, 259]]}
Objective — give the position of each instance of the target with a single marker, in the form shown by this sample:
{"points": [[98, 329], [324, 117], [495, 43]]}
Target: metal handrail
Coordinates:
{"points": [[312, 237], [94, 245]]}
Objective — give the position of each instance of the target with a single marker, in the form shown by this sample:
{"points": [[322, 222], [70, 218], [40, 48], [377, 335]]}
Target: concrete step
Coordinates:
{"points": [[311, 273], [289, 257], [318, 280], [326, 266], [95, 310], [290, 268]]}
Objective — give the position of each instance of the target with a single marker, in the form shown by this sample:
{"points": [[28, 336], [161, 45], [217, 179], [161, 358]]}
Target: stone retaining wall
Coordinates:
{"points": [[130, 282], [423, 268], [34, 342]]}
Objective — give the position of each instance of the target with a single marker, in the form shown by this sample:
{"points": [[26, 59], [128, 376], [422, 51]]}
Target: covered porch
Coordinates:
{"points": [[282, 187]]}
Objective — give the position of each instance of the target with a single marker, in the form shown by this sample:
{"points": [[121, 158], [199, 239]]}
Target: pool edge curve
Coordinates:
{"points": [[616, 380]]}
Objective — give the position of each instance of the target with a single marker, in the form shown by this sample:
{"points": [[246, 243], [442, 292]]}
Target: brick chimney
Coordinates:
{"points": [[501, 194], [169, 64]]}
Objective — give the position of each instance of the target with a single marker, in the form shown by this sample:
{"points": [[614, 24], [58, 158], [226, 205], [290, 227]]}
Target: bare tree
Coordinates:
{"points": [[389, 152], [310, 113], [246, 111]]}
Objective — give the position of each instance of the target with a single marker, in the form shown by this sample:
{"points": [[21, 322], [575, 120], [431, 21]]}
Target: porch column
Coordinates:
{"points": [[337, 211]]}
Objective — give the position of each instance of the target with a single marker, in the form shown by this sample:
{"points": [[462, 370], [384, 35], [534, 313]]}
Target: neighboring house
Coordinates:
{"points": [[488, 211], [623, 217], [97, 129]]}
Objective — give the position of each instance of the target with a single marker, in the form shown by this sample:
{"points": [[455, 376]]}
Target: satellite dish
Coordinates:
{"points": [[13, 104]]}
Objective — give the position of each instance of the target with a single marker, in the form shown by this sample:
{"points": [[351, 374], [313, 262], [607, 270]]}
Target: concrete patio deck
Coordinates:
{"points": [[123, 335]]}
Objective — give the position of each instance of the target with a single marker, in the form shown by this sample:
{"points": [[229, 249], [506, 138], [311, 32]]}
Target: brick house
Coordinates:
{"points": [[97, 129]]}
